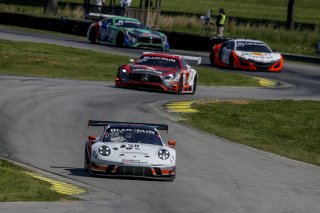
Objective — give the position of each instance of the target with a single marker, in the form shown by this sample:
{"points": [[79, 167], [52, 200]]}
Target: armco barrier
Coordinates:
{"points": [[75, 27], [79, 27]]}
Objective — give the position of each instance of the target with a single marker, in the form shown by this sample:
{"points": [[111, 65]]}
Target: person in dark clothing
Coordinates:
{"points": [[221, 19]]}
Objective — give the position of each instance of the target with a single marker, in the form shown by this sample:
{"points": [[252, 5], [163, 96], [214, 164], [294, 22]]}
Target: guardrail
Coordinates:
{"points": [[75, 27], [79, 27]]}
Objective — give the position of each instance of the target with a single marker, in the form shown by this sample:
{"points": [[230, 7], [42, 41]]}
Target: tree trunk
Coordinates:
{"points": [[290, 18], [51, 7]]}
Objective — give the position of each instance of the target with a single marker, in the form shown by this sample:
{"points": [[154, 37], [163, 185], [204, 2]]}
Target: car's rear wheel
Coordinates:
{"points": [[120, 39], [93, 35], [231, 62], [195, 82]]}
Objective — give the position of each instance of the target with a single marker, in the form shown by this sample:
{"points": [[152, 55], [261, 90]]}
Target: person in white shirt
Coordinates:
{"points": [[125, 3], [98, 2], [98, 5]]}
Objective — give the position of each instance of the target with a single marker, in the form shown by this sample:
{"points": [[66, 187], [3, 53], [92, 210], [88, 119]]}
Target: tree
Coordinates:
{"points": [[51, 7], [290, 17]]}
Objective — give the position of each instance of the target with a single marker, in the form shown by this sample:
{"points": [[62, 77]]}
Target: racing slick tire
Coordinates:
{"points": [[93, 36], [86, 161], [180, 86], [231, 62], [195, 82], [212, 58], [171, 178], [120, 39]]}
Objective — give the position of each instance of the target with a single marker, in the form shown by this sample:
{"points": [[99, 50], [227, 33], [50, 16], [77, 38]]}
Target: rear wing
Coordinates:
{"points": [[107, 123], [189, 58], [192, 58]]}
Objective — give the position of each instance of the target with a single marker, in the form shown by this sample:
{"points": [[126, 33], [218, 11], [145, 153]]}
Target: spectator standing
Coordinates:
{"points": [[125, 3], [220, 22], [98, 4]]}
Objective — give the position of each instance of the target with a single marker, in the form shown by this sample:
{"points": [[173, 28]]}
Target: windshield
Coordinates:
{"points": [[252, 47], [128, 24], [132, 135], [158, 61]]}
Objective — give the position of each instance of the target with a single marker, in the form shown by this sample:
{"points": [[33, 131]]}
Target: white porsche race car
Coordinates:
{"points": [[130, 149]]}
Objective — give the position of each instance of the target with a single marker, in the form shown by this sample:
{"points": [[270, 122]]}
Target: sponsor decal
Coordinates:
{"points": [[146, 58], [122, 22], [146, 131], [146, 70], [258, 54], [132, 161], [245, 43], [134, 153]]}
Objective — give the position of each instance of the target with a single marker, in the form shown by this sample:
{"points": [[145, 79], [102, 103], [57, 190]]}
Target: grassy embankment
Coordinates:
{"points": [[15, 185], [53, 61], [288, 128], [306, 11], [295, 42]]}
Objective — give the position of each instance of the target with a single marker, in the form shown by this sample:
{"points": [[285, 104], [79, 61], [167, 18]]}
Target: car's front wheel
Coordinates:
{"points": [[212, 58], [195, 82], [93, 35], [180, 86], [86, 161], [171, 178]]}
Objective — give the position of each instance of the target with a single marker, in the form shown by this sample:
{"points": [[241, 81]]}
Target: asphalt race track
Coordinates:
{"points": [[44, 124]]}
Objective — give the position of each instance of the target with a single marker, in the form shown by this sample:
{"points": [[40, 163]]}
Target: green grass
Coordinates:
{"points": [[288, 128], [15, 185], [53, 61], [282, 40], [305, 10], [76, 13]]}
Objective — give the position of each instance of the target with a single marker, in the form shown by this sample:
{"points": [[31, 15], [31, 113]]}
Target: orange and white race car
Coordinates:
{"points": [[246, 54]]}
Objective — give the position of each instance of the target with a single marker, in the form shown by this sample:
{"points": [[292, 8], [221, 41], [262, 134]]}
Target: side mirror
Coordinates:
{"points": [[172, 143], [92, 138], [131, 60]]}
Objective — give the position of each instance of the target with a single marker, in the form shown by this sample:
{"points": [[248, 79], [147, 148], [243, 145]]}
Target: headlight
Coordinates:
{"points": [[132, 35], [163, 38], [124, 70], [170, 76], [104, 151], [164, 154]]}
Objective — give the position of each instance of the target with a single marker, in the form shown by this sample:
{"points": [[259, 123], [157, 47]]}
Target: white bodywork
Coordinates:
{"points": [[133, 154], [260, 57], [131, 151]]}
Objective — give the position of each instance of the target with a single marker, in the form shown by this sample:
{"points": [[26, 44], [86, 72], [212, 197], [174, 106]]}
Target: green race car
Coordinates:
{"points": [[126, 32]]}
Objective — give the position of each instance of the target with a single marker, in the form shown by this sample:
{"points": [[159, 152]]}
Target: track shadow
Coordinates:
{"points": [[80, 172]]}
